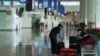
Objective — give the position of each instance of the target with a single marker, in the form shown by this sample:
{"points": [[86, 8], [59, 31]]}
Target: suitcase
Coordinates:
{"points": [[60, 46], [75, 43], [68, 52]]}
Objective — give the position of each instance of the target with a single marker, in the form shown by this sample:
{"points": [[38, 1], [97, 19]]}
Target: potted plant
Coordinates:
{"points": [[37, 23], [94, 32]]}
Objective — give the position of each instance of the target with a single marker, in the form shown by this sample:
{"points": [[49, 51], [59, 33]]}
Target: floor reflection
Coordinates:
{"points": [[28, 42], [24, 42], [41, 42]]}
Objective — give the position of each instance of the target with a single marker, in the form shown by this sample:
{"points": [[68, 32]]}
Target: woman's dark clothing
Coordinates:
{"points": [[53, 40]]}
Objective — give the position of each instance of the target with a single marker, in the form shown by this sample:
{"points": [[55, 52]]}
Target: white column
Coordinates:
{"points": [[90, 11], [97, 13], [93, 12], [83, 11]]}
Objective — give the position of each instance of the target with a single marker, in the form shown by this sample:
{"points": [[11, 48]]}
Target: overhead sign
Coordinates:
{"points": [[55, 4], [62, 9], [58, 9], [40, 4], [45, 4], [49, 3]]}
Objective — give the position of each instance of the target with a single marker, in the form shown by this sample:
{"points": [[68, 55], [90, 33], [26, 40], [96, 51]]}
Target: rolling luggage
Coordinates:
{"points": [[60, 46], [68, 52]]}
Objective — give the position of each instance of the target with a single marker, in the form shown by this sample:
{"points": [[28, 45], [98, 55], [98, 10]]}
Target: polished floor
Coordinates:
{"points": [[28, 42], [25, 42]]}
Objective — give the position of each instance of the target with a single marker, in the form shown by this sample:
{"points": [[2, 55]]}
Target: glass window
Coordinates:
{"points": [[0, 3], [7, 3], [45, 4], [23, 4], [17, 3]]}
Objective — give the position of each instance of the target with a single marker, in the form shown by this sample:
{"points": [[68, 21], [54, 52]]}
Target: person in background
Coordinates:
{"points": [[60, 39], [53, 40], [80, 36], [76, 25], [60, 36]]}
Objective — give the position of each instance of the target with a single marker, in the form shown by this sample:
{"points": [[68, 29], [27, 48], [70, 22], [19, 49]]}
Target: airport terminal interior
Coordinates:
{"points": [[25, 27]]}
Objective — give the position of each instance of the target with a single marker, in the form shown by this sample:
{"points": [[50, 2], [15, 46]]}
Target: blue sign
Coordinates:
{"points": [[40, 4], [55, 4], [61, 9], [49, 3], [58, 10]]}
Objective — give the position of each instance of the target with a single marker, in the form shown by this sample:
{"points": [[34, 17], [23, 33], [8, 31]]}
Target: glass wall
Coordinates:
{"points": [[14, 3], [0, 3], [17, 3], [7, 3]]}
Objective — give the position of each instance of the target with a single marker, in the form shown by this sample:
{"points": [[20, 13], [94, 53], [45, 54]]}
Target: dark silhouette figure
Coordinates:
{"points": [[53, 39]]}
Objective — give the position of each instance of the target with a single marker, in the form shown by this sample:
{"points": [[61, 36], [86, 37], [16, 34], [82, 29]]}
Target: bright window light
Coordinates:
{"points": [[7, 3], [16, 3], [72, 3], [66, 3]]}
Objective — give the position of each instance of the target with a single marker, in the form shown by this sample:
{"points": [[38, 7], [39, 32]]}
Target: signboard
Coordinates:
{"points": [[55, 5], [58, 10], [45, 4], [49, 3], [62, 9], [40, 4]]}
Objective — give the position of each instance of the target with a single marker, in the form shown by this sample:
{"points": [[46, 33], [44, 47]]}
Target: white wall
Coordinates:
{"points": [[98, 13], [8, 21], [72, 8], [93, 12], [26, 19]]}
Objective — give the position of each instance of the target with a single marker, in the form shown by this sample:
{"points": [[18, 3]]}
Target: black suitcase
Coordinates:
{"points": [[60, 46], [74, 42]]}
